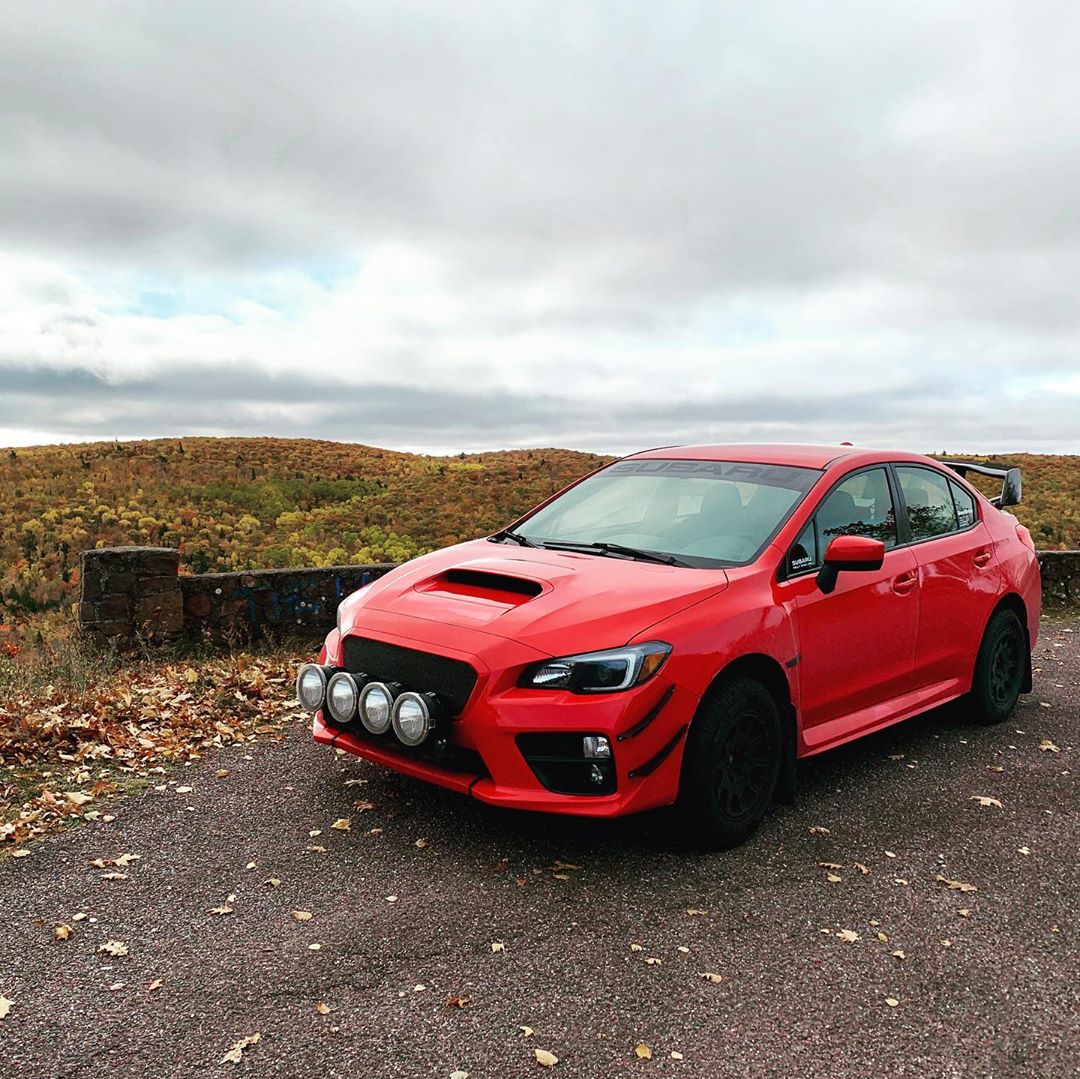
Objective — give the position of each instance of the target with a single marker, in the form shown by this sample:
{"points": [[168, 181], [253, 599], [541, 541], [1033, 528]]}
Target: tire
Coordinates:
{"points": [[731, 764], [999, 668]]}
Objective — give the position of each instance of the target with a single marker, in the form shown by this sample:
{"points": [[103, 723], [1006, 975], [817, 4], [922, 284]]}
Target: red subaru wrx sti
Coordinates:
{"points": [[681, 626]]}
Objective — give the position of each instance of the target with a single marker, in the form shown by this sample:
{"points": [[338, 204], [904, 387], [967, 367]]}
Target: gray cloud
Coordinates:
{"points": [[647, 223]]}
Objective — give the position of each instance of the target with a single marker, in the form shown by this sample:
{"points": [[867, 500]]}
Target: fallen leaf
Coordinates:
{"points": [[62, 932], [183, 790], [957, 885], [696, 912], [237, 1051], [459, 1075], [891, 1001], [890, 854], [830, 865], [113, 947], [314, 947], [323, 1009], [964, 912], [848, 935], [642, 1052], [458, 1002], [302, 915], [676, 1055], [1023, 850], [985, 800], [221, 773], [882, 937], [816, 829], [391, 899], [832, 878], [114, 875], [222, 910], [274, 882], [899, 954], [636, 948], [5, 1007], [498, 946], [708, 975], [79, 798], [126, 859], [526, 1032], [421, 843], [80, 917], [548, 1060], [22, 852], [342, 824], [154, 986], [864, 869], [1048, 747]]}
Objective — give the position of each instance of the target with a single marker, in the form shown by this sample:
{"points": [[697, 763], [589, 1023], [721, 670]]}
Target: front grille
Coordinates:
{"points": [[424, 672]]}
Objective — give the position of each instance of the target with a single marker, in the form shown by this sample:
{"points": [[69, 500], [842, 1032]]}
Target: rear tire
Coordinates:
{"points": [[999, 668], [731, 764]]}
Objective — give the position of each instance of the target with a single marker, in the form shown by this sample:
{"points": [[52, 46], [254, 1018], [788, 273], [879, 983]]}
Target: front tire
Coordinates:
{"points": [[999, 668], [731, 764]]}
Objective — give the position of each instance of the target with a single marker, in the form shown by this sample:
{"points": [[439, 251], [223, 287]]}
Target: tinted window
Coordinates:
{"points": [[965, 505], [803, 554], [703, 512], [860, 506], [930, 507]]}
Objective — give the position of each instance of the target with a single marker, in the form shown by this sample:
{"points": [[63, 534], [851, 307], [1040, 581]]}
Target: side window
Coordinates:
{"points": [[929, 502], [803, 554], [860, 506], [965, 505]]}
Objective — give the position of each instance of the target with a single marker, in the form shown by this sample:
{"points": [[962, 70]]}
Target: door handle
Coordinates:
{"points": [[903, 584], [982, 558]]}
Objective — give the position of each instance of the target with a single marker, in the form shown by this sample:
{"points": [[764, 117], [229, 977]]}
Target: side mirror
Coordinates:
{"points": [[855, 553]]}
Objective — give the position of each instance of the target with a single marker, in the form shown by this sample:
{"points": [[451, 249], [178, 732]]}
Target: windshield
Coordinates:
{"points": [[704, 513]]}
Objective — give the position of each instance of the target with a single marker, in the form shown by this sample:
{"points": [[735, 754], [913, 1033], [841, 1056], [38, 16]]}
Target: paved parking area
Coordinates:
{"points": [[606, 930]]}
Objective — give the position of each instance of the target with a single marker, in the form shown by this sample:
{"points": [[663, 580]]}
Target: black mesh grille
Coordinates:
{"points": [[451, 679]]}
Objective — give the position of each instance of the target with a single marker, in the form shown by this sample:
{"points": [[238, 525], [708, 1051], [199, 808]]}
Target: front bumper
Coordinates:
{"points": [[645, 727]]}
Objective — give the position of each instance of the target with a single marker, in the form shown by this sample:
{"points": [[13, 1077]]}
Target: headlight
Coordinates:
{"points": [[376, 703], [600, 672], [342, 697], [311, 687], [412, 718]]}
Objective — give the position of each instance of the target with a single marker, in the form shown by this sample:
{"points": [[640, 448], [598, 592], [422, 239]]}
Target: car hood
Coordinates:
{"points": [[556, 602]]}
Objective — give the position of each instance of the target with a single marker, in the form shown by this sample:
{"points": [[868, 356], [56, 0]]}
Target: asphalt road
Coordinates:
{"points": [[404, 930]]}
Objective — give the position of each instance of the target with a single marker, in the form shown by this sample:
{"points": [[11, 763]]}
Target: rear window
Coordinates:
{"points": [[929, 501]]}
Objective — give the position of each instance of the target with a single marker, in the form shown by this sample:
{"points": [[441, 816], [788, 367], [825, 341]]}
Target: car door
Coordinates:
{"points": [[856, 644], [959, 580]]}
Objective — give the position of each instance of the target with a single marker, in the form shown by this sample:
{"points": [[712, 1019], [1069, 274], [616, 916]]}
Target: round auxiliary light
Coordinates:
{"points": [[412, 719], [376, 704], [342, 697], [311, 687]]}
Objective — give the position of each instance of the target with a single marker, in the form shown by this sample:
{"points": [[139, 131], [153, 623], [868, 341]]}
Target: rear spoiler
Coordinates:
{"points": [[1010, 480]]}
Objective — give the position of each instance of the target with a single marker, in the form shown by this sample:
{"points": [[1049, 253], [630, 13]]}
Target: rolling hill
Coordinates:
{"points": [[241, 503]]}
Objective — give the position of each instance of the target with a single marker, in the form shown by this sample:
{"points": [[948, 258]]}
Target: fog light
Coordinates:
{"points": [[342, 697], [596, 777], [376, 704], [596, 746], [412, 719], [311, 687]]}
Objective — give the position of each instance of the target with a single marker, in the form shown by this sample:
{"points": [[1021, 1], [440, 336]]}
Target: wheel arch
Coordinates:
{"points": [[771, 674]]}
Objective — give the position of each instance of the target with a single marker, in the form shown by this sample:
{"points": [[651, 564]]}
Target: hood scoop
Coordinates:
{"points": [[501, 590]]}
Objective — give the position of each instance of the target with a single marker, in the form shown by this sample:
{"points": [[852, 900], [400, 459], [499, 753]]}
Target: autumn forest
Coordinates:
{"points": [[235, 503]]}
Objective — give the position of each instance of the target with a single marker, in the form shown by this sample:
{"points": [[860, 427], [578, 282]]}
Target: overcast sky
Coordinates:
{"points": [[606, 225]]}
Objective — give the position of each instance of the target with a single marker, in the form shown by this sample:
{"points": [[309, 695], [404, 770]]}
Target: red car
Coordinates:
{"points": [[681, 626]]}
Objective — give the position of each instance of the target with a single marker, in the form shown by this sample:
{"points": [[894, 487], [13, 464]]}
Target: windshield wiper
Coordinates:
{"points": [[517, 537], [617, 549]]}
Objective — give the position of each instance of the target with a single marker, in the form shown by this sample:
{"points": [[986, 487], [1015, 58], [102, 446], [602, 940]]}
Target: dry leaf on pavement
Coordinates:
{"points": [[549, 1060], [985, 800], [643, 1052], [342, 824], [113, 947], [5, 1007], [237, 1051], [957, 885]]}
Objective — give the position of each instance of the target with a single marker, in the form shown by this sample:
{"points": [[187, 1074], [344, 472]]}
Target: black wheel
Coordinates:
{"points": [[731, 764], [1000, 668]]}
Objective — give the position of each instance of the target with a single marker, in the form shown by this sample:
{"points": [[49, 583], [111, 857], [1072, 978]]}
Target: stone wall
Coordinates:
{"points": [[127, 592], [1060, 576], [131, 594], [135, 593]]}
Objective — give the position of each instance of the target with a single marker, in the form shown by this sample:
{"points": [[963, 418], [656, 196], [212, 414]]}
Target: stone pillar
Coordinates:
{"points": [[130, 594]]}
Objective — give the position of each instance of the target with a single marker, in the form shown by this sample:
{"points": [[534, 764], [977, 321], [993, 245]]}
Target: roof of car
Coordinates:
{"points": [[773, 453]]}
